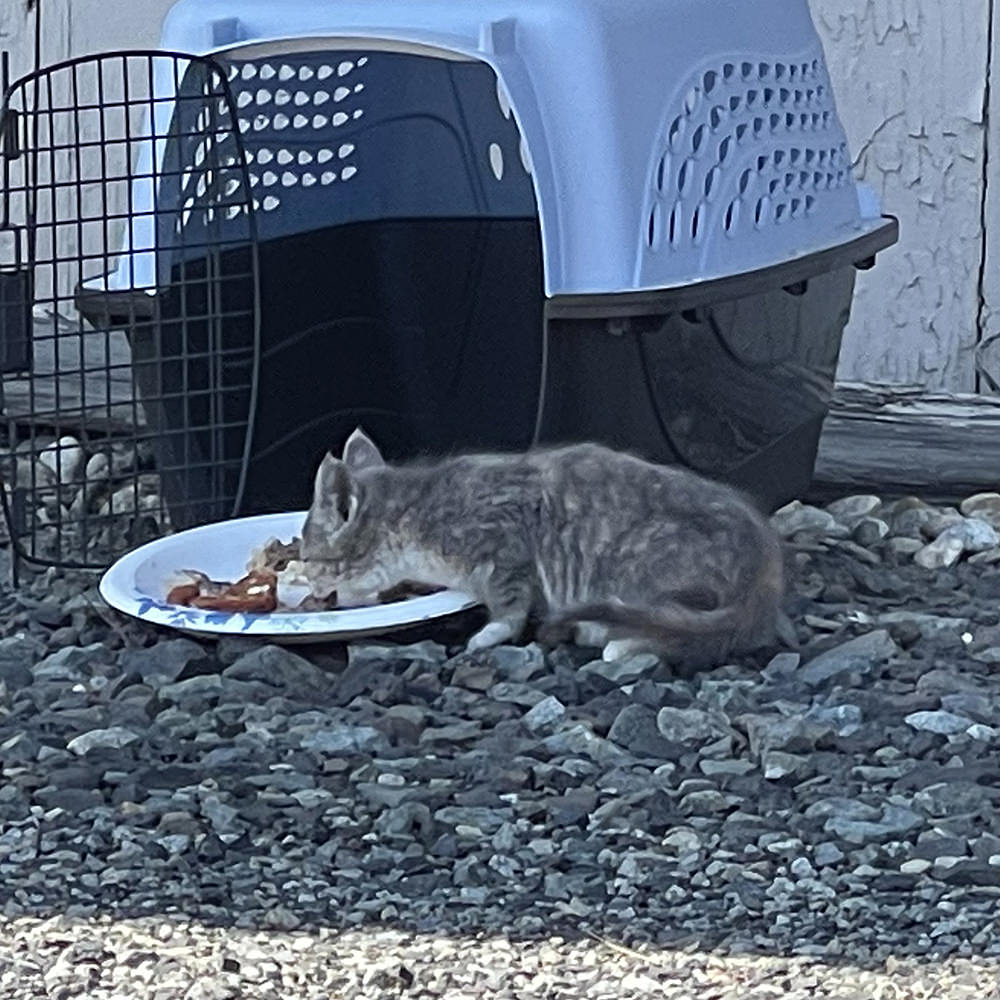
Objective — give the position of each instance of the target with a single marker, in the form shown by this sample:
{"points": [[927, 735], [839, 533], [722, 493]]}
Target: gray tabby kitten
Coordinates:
{"points": [[633, 555]]}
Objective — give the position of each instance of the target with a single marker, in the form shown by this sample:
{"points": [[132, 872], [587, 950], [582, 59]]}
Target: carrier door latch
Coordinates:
{"points": [[16, 297], [10, 134]]}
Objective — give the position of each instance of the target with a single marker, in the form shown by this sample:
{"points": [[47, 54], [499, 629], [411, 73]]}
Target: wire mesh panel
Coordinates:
{"points": [[129, 304]]}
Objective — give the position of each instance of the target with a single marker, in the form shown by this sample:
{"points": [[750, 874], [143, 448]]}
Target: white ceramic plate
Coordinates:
{"points": [[137, 585]]}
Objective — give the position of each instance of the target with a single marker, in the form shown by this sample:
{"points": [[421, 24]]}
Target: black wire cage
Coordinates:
{"points": [[129, 345]]}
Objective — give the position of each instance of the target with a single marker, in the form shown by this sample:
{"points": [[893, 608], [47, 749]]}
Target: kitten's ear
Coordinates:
{"points": [[334, 491], [360, 452]]}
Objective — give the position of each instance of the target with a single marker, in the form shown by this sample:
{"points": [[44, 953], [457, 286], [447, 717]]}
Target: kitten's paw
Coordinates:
{"points": [[620, 649], [490, 635]]}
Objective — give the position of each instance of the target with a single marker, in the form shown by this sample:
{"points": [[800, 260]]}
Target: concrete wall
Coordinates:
{"points": [[911, 81]]}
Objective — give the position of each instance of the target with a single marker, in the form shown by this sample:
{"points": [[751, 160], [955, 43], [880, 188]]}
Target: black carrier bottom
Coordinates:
{"points": [[427, 333], [430, 335], [737, 390]]}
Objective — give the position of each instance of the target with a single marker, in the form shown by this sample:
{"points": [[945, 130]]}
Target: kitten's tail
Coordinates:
{"points": [[670, 618], [750, 620]]}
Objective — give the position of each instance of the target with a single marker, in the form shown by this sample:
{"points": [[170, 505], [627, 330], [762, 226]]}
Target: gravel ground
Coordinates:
{"points": [[196, 820]]}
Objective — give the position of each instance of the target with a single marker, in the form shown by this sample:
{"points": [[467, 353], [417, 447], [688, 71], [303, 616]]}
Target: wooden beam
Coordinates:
{"points": [[899, 439], [81, 381]]}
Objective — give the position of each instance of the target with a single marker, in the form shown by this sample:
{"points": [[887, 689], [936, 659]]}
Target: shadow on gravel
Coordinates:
{"points": [[840, 805]]}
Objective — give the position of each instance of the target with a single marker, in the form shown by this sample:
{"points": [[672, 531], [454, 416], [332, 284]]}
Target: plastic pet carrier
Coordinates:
{"points": [[494, 225]]}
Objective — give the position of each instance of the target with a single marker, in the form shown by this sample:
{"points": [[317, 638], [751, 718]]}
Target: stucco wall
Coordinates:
{"points": [[75, 27], [910, 78]]}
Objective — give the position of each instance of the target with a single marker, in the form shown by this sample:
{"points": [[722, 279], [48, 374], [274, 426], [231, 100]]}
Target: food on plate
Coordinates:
{"points": [[275, 581], [254, 593]]}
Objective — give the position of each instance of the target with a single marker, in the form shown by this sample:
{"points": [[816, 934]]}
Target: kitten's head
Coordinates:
{"points": [[344, 536]]}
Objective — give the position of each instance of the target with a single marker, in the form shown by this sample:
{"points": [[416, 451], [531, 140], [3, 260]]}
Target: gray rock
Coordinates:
{"points": [[403, 723], [986, 846], [725, 768], [707, 802], [799, 518], [516, 693], [223, 817], [518, 663], [406, 819], [113, 738], [202, 688], [904, 546], [18, 845], [827, 854], [844, 720], [782, 666], [981, 733], [776, 764], [624, 671], [857, 831], [988, 558], [17, 655], [966, 872], [311, 798], [909, 516], [470, 673], [63, 459], [940, 722], [838, 807], [943, 552], [545, 715], [636, 729], [174, 843], [859, 655], [940, 519], [850, 510], [574, 805], [951, 798], [69, 663], [68, 635], [344, 739], [794, 734], [984, 506], [278, 667], [581, 741], [456, 732], [479, 817], [900, 820], [968, 703], [893, 823], [975, 535], [870, 531], [690, 725], [929, 626], [167, 661], [375, 654], [229, 648], [683, 840], [801, 868]]}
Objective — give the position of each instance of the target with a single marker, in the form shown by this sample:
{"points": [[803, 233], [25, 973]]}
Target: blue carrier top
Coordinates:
{"points": [[660, 143]]}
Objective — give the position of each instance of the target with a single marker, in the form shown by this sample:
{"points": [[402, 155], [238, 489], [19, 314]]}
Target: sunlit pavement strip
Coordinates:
{"points": [[156, 960]]}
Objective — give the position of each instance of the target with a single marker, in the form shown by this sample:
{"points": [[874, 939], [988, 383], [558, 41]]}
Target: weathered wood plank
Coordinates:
{"points": [[81, 380], [903, 439]]}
